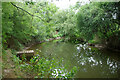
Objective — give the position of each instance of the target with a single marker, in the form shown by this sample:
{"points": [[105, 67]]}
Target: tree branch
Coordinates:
{"points": [[26, 11]]}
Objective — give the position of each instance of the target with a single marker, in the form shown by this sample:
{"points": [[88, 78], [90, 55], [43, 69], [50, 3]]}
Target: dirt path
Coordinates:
{"points": [[8, 70]]}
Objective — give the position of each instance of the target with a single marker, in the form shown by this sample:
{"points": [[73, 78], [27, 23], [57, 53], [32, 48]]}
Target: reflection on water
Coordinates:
{"points": [[58, 72], [92, 63]]}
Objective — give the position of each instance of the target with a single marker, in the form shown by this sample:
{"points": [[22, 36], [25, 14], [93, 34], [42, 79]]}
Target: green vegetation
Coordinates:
{"points": [[22, 26], [100, 20], [25, 23], [43, 67]]}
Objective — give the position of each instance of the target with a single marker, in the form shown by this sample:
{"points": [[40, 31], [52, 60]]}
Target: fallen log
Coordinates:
{"points": [[28, 53]]}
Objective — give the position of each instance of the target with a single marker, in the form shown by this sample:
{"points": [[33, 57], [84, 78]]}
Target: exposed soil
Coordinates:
{"points": [[9, 69]]}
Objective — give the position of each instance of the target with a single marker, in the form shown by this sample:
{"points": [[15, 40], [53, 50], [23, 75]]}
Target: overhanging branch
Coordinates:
{"points": [[26, 11]]}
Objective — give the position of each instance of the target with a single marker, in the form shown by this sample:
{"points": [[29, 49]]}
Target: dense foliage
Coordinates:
{"points": [[101, 19], [25, 23]]}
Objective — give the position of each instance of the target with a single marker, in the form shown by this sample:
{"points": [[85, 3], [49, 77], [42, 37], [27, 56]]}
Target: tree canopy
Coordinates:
{"points": [[30, 21]]}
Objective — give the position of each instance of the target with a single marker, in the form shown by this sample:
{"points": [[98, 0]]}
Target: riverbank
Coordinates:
{"points": [[50, 39], [9, 69], [103, 46], [97, 45]]}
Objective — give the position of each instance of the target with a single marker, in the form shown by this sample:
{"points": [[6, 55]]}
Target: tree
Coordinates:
{"points": [[24, 22], [96, 17], [99, 18]]}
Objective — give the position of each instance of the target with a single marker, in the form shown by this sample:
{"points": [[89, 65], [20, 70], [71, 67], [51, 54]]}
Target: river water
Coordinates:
{"points": [[92, 62]]}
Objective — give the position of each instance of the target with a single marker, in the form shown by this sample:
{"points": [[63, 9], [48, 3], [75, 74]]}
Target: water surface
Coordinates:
{"points": [[92, 62]]}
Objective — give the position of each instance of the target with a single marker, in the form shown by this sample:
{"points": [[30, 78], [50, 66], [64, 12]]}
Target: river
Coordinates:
{"points": [[92, 62]]}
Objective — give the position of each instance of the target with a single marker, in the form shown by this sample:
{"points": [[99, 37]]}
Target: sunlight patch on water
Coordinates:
{"points": [[58, 72]]}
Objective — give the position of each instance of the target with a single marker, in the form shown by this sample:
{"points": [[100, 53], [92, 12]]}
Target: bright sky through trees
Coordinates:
{"points": [[64, 4]]}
